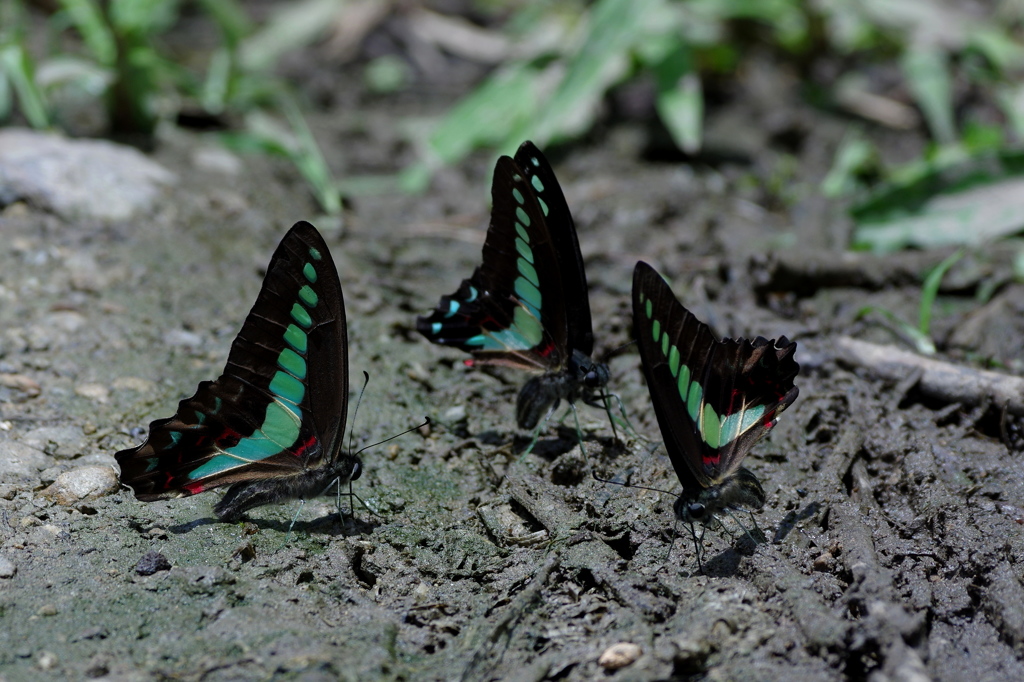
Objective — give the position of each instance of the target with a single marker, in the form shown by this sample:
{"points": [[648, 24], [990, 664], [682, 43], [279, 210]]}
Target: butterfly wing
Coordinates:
{"points": [[279, 408], [567, 247], [713, 399], [512, 310]]}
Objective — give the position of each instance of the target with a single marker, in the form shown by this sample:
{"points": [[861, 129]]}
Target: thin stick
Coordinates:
{"points": [[941, 380]]}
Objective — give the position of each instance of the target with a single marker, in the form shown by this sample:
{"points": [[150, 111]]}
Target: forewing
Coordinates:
{"points": [[567, 247], [280, 405], [511, 311]]}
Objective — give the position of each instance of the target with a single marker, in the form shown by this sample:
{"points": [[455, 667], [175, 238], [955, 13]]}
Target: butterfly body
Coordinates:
{"points": [[244, 496], [580, 380], [526, 306], [271, 425], [714, 399], [740, 491]]}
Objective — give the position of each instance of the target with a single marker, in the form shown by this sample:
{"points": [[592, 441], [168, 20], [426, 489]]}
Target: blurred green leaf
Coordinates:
{"points": [[88, 19], [218, 81], [926, 69], [854, 157], [964, 204], [388, 73], [682, 111], [502, 103], [17, 67], [602, 60], [234, 23], [1018, 266], [292, 25]]}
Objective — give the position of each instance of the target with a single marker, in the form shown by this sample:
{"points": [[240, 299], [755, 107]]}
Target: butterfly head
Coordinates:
{"points": [[357, 469]]}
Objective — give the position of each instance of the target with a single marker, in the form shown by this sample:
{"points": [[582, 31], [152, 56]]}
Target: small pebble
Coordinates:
{"points": [[823, 562], [619, 655], [96, 392], [83, 483], [7, 567], [152, 562], [47, 610], [47, 660]]}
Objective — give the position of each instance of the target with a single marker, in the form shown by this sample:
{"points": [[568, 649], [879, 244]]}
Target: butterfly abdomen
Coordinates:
{"points": [[247, 495]]}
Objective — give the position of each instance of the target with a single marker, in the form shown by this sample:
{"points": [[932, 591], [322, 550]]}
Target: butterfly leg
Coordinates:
{"points": [[698, 544]]}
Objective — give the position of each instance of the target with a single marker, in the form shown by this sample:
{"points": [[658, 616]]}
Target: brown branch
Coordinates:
{"points": [[939, 379]]}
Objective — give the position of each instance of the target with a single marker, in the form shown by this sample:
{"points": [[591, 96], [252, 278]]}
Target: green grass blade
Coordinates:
{"points": [[930, 290]]}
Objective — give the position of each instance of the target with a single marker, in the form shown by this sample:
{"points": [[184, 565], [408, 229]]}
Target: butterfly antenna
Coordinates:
{"points": [[426, 421], [630, 485], [355, 412], [615, 352]]}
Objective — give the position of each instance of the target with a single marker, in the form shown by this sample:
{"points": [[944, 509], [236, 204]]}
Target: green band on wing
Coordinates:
{"points": [[524, 333], [673, 361], [528, 293], [308, 297], [301, 316], [537, 184], [710, 427], [518, 196], [522, 217], [279, 432], [296, 338], [693, 399], [735, 425], [292, 362], [527, 271], [656, 331], [309, 272], [315, 253], [287, 387], [649, 309], [524, 249]]}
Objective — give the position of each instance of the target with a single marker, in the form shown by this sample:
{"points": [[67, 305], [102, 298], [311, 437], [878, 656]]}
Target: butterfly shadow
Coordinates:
{"points": [[726, 563], [326, 525]]}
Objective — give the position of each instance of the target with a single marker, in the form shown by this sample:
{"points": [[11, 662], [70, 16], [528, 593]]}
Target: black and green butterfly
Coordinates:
{"points": [[714, 399], [526, 305], [271, 425]]}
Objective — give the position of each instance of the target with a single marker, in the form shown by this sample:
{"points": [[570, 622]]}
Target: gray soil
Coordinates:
{"points": [[893, 527]]}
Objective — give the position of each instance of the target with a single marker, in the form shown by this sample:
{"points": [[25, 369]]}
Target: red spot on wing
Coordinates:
{"points": [[301, 450], [193, 488], [469, 363], [546, 350]]}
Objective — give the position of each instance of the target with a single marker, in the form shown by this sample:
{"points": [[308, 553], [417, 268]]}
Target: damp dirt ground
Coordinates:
{"points": [[893, 531]]}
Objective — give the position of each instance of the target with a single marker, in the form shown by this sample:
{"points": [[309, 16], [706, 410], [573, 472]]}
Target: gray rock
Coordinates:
{"points": [[7, 567], [59, 441], [78, 179], [20, 463], [84, 483]]}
